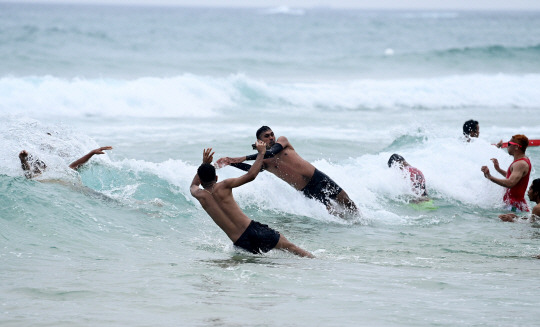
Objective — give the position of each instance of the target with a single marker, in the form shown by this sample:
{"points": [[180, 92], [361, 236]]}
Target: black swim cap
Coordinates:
{"points": [[470, 126], [395, 157]]}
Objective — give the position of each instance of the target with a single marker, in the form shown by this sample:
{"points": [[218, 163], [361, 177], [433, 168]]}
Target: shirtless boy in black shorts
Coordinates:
{"points": [[283, 161], [218, 201]]}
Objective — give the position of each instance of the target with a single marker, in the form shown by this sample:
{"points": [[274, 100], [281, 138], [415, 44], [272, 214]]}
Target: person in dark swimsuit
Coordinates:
{"points": [[282, 160], [322, 188], [218, 201], [258, 238]]}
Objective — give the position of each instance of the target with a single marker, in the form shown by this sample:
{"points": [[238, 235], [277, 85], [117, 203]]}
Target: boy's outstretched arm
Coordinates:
{"points": [[253, 171], [81, 161]]}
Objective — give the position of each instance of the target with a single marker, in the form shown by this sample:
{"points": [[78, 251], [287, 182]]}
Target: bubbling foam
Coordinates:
{"points": [[202, 97]]}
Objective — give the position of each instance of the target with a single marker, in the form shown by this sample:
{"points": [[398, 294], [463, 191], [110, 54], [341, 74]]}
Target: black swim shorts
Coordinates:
{"points": [[258, 238], [322, 188]]}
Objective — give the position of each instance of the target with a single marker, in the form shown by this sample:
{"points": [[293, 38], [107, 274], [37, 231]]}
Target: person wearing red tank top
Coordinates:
{"points": [[516, 177]]}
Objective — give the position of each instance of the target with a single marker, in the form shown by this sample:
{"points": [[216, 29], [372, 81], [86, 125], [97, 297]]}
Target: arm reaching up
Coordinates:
{"points": [[253, 171], [81, 161]]}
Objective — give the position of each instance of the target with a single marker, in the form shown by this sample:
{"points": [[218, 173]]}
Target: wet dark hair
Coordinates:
{"points": [[393, 158], [262, 130], [206, 172], [535, 186], [470, 126]]}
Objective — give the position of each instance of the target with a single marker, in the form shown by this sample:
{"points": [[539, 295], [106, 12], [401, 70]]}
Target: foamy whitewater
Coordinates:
{"points": [[123, 243]]}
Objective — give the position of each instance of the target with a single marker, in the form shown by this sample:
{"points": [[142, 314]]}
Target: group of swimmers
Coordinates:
{"points": [[515, 178], [279, 157]]}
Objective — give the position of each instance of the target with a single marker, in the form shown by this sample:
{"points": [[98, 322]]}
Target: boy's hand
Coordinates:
{"points": [[208, 156]]}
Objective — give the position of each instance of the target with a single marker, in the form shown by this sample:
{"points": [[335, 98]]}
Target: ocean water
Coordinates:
{"points": [[123, 243]]}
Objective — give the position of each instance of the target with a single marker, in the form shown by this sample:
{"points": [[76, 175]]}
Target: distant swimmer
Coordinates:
{"points": [[534, 196], [416, 176], [471, 128], [283, 161], [33, 166], [517, 177], [218, 201]]}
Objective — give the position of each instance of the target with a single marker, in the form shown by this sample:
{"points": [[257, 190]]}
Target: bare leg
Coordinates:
{"points": [[345, 205], [284, 244]]}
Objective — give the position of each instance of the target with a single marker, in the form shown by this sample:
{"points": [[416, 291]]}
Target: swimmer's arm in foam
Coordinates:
{"points": [[81, 161], [275, 149]]}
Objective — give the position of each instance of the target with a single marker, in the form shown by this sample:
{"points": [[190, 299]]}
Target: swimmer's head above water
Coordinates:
{"points": [[471, 128], [32, 166], [534, 190], [207, 173], [518, 143], [266, 135], [396, 159]]}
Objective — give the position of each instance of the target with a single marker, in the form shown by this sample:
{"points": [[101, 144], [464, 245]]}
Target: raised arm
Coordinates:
{"points": [[208, 157], [519, 170], [81, 161], [497, 167], [237, 162], [195, 185], [275, 149], [253, 171]]}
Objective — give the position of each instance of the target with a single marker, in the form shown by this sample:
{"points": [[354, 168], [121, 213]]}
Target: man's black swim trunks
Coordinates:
{"points": [[258, 238], [321, 187]]}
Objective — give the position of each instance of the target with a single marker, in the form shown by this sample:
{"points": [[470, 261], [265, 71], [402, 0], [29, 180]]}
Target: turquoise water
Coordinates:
{"points": [[122, 242]]}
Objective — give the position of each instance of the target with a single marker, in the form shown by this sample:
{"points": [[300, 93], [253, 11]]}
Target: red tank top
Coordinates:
{"points": [[418, 180], [515, 196]]}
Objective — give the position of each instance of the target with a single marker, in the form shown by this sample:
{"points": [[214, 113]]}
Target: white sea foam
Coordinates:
{"points": [[284, 10], [200, 96], [451, 168]]}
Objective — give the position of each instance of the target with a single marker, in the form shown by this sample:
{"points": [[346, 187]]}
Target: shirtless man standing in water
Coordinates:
{"points": [[218, 201], [283, 161]]}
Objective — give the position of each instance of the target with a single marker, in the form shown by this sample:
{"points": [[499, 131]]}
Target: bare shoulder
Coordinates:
{"points": [[522, 164], [284, 142], [536, 210], [225, 184], [196, 192]]}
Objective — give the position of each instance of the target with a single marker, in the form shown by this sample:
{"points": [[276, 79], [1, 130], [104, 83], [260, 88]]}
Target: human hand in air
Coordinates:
{"points": [[208, 156], [222, 162], [261, 146], [486, 172], [495, 163], [100, 150], [225, 161]]}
